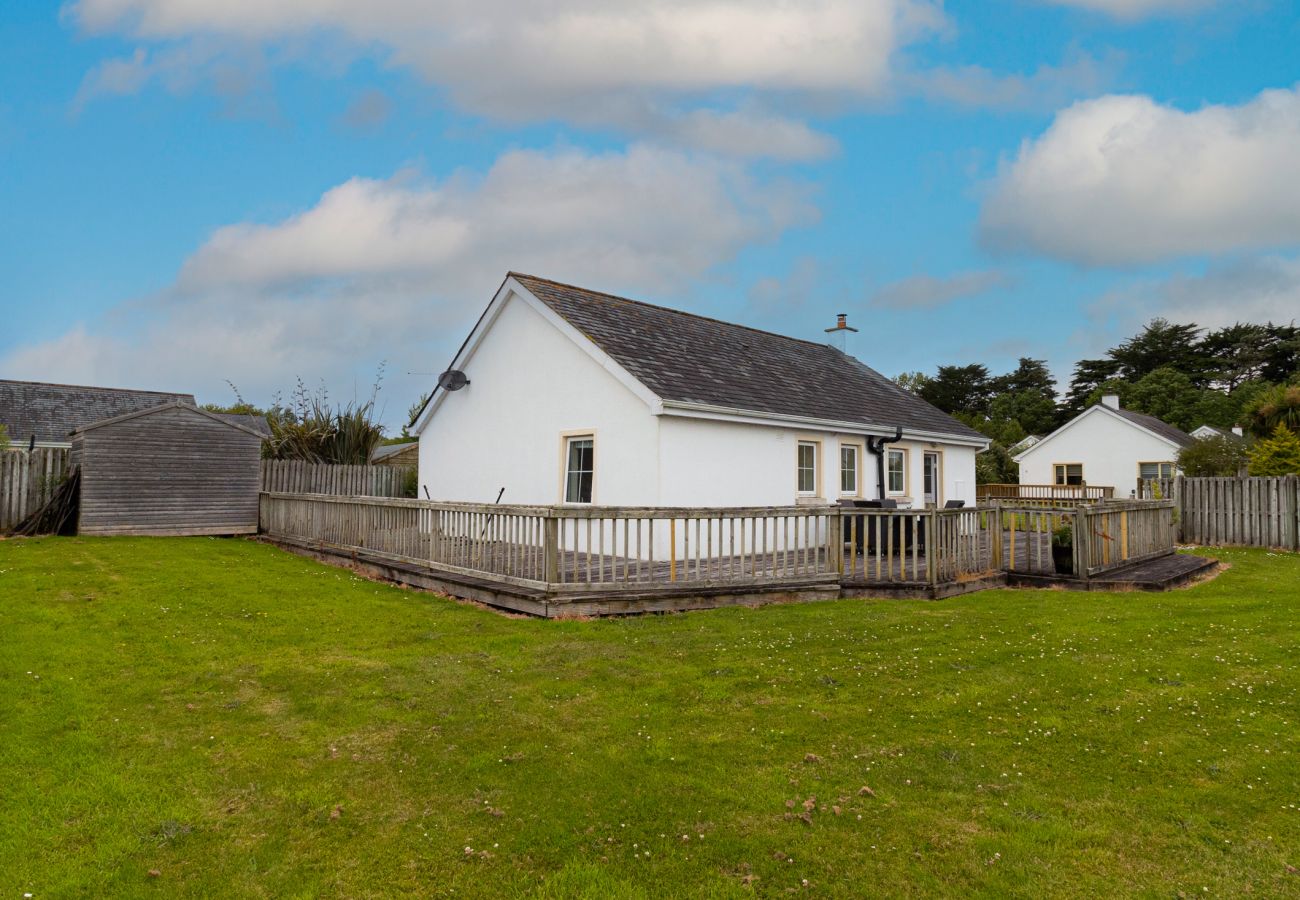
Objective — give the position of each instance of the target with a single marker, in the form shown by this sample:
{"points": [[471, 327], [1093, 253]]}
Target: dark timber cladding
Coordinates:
{"points": [[169, 470]]}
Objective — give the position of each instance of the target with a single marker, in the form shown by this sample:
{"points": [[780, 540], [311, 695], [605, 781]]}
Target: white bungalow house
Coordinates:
{"points": [[580, 397], [1105, 445]]}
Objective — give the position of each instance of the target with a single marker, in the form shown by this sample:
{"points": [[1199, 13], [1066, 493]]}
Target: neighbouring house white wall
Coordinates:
{"points": [[529, 384], [1109, 448]]}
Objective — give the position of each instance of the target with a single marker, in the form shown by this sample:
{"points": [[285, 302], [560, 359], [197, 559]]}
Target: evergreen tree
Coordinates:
{"points": [[1089, 375], [959, 389], [1276, 455], [1163, 344]]}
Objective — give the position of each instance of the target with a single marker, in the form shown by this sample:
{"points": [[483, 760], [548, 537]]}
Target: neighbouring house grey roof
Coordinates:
{"points": [[256, 423], [689, 358], [386, 450], [1159, 426], [50, 412]]}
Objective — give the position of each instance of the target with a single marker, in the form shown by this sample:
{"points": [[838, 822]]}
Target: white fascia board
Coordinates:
{"points": [[512, 289], [753, 417]]}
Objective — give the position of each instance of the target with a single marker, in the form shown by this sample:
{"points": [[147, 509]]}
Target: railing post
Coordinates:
{"points": [[551, 548], [932, 545], [1082, 541], [995, 537], [835, 541]]}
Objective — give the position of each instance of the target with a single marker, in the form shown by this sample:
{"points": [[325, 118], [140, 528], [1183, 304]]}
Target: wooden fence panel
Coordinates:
{"points": [[294, 476], [27, 480], [1250, 512]]}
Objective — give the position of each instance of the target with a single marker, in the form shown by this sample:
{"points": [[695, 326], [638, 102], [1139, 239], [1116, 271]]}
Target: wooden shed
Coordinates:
{"points": [[173, 469]]}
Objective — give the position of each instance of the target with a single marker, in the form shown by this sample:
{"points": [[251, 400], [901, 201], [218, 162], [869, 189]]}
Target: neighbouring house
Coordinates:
{"points": [[571, 396], [1105, 445], [406, 453], [1211, 431], [172, 469], [1024, 444], [44, 415]]}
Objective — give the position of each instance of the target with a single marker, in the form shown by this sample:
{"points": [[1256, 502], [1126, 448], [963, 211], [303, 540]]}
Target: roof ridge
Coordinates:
{"points": [[95, 387], [680, 312]]}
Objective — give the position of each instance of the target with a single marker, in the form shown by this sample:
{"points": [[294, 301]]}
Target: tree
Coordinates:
{"points": [[1214, 457], [1163, 344], [1278, 405], [1169, 395], [959, 388], [1089, 375], [912, 381], [414, 410], [1238, 353], [1276, 455], [995, 466]]}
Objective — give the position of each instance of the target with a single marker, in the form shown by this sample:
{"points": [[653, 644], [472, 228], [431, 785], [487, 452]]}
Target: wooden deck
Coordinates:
{"points": [[560, 561]]}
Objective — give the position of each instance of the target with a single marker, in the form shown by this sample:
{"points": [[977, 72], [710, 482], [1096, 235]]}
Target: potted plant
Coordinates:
{"points": [[1063, 549]]}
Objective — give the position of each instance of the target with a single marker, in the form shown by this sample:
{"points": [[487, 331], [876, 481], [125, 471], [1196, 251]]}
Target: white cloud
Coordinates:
{"points": [[519, 60], [1259, 289], [929, 292], [1122, 180], [1046, 88], [399, 268], [1130, 10]]}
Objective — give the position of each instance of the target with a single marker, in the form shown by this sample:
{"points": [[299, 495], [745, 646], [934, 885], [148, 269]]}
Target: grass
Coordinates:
{"points": [[242, 722]]}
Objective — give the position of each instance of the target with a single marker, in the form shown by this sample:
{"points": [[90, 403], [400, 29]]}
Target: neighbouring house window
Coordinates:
{"points": [[848, 469], [896, 472], [1156, 470], [1069, 473], [807, 467], [580, 470]]}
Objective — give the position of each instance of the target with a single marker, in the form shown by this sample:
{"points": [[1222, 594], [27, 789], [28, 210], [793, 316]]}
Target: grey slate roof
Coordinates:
{"points": [[383, 451], [693, 359], [1159, 426], [52, 411], [256, 423]]}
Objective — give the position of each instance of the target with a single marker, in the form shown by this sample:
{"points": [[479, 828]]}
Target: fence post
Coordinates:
{"points": [[1178, 490], [1291, 510], [1082, 540], [932, 545], [551, 548]]}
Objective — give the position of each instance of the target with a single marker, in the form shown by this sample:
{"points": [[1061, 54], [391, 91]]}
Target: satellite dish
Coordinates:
{"points": [[452, 380]]}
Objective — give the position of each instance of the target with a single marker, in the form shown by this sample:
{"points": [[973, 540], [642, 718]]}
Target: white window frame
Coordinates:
{"points": [[889, 471], [856, 489], [566, 444], [800, 468]]}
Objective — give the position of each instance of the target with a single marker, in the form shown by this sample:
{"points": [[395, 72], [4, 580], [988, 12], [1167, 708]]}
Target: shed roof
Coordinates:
{"points": [[224, 419], [49, 412], [384, 451], [689, 358]]}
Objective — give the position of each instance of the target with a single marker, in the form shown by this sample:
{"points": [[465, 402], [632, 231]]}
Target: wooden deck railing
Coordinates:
{"points": [[1117, 534], [576, 550], [1044, 492]]}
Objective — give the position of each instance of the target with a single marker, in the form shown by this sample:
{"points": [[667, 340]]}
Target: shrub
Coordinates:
{"points": [[1278, 405], [1063, 535], [1277, 455], [1214, 457]]}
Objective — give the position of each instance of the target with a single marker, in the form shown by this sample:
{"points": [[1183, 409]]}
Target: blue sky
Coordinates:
{"points": [[215, 190]]}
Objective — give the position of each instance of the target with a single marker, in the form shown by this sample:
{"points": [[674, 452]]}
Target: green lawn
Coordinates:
{"points": [[238, 721]]}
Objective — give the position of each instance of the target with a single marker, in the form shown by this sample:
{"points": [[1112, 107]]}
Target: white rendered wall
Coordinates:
{"points": [[1109, 448], [529, 384]]}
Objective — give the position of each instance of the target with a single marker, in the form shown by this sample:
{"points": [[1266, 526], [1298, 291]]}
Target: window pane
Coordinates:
{"points": [[848, 470], [579, 475], [896, 480], [807, 482]]}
